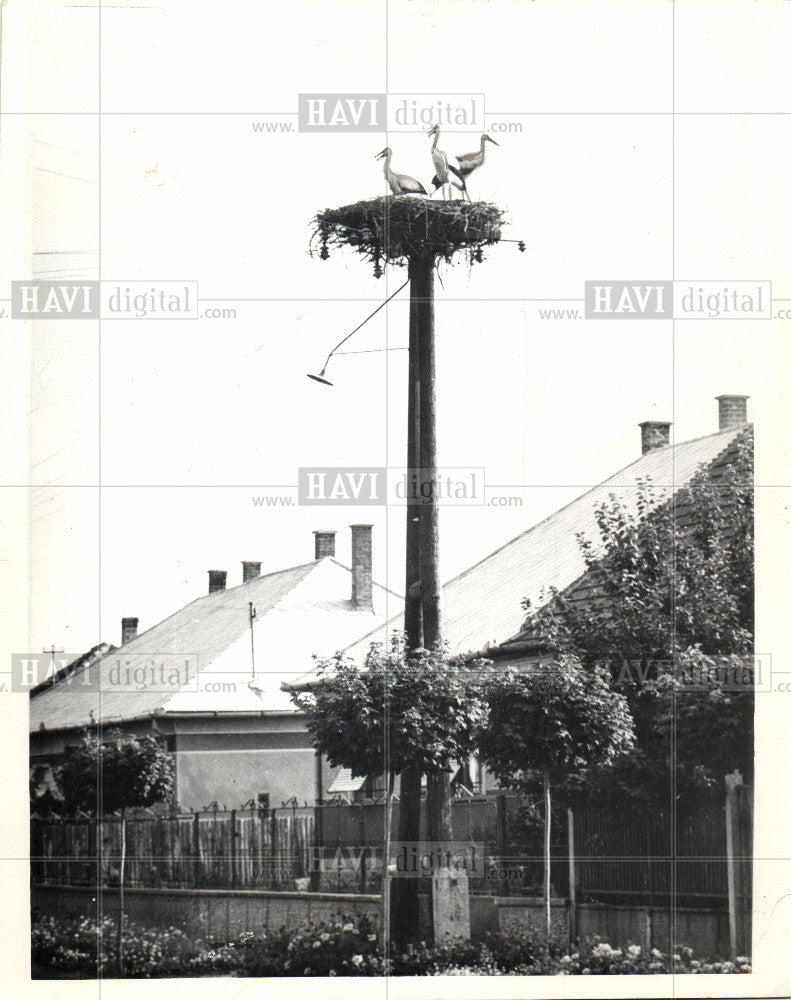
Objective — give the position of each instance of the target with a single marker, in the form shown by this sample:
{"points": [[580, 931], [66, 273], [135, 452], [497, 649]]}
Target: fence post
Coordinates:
{"points": [[572, 882], [273, 842], [363, 847], [196, 850], [502, 818], [738, 838], [232, 846]]}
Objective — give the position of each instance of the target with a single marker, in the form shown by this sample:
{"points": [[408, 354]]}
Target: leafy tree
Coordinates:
{"points": [[403, 712], [423, 710], [667, 583], [114, 772], [552, 724]]}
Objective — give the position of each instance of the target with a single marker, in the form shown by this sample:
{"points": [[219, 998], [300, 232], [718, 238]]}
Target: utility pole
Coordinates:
{"points": [[418, 233]]}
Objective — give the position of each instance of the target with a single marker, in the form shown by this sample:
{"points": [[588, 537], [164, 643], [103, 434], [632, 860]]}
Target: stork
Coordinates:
{"points": [[446, 167], [399, 183], [468, 162]]}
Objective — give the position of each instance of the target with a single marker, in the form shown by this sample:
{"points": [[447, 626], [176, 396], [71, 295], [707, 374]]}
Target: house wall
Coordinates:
{"points": [[228, 760], [233, 777]]}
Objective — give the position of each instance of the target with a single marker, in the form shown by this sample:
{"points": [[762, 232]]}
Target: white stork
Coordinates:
{"points": [[471, 161], [446, 167], [399, 183]]}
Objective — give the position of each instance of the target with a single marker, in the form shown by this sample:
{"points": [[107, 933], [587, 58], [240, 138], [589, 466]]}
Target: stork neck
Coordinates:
{"points": [[436, 140]]}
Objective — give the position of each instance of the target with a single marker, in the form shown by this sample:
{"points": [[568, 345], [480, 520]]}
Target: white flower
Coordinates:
{"points": [[656, 953], [348, 927], [634, 950], [357, 959]]}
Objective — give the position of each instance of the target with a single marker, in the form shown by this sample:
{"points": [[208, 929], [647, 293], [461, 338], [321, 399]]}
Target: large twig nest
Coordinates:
{"points": [[393, 228]]}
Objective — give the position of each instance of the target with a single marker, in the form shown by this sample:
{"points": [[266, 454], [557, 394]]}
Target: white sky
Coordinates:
{"points": [[183, 422]]}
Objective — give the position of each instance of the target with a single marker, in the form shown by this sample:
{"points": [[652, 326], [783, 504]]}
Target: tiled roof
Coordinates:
{"points": [[295, 608], [482, 606]]}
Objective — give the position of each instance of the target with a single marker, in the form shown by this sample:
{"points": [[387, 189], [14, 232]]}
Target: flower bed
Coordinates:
{"points": [[342, 947]]}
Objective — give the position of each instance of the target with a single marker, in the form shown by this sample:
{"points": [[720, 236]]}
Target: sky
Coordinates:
{"points": [[626, 151]]}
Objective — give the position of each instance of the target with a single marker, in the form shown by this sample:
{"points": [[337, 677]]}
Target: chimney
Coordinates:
{"points": [[250, 570], [217, 579], [733, 411], [325, 543], [128, 630], [655, 434], [362, 583]]}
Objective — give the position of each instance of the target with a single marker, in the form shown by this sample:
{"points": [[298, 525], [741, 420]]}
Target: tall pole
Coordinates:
{"points": [[438, 800], [405, 891]]}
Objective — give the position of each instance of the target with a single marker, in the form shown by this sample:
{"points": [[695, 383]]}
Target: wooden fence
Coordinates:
{"points": [[220, 849], [619, 855]]}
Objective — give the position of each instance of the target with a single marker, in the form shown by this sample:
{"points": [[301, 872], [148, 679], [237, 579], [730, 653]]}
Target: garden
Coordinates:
{"points": [[84, 948]]}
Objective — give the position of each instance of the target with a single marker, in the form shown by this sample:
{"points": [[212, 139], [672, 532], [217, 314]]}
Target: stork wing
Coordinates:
{"points": [[407, 183]]}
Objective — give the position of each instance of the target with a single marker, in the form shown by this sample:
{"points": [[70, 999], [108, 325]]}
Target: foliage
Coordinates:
{"points": [[115, 771], [672, 574], [561, 721], [86, 946], [345, 946], [601, 959], [423, 710], [670, 587]]}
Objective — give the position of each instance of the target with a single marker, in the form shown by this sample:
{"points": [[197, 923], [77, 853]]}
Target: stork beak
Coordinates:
{"points": [[379, 155], [318, 378], [492, 140]]}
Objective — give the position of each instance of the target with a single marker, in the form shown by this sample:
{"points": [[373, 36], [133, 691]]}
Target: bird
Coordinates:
{"points": [[446, 167], [471, 161], [399, 183]]}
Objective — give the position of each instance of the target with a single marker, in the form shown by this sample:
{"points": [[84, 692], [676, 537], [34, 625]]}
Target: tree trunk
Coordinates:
{"points": [[121, 883], [439, 818], [547, 857]]}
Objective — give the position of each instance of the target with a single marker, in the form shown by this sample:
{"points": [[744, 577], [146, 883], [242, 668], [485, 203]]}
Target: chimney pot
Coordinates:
{"points": [[324, 544], [128, 630], [217, 578], [362, 581], [733, 411], [654, 434], [250, 570]]}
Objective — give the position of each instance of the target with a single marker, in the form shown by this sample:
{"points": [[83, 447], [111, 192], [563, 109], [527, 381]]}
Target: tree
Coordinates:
{"points": [[114, 772], [667, 583], [401, 711], [553, 724]]}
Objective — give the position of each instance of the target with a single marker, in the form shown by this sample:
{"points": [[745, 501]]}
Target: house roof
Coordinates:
{"points": [[199, 658], [482, 606]]}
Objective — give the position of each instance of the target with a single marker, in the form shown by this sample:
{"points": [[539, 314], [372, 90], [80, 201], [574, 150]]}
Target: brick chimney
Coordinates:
{"points": [[217, 578], [250, 570], [362, 582], [325, 544], [128, 630], [654, 434], [733, 411]]}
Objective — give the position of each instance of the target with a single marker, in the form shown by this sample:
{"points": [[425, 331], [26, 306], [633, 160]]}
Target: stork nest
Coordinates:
{"points": [[394, 228]]}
